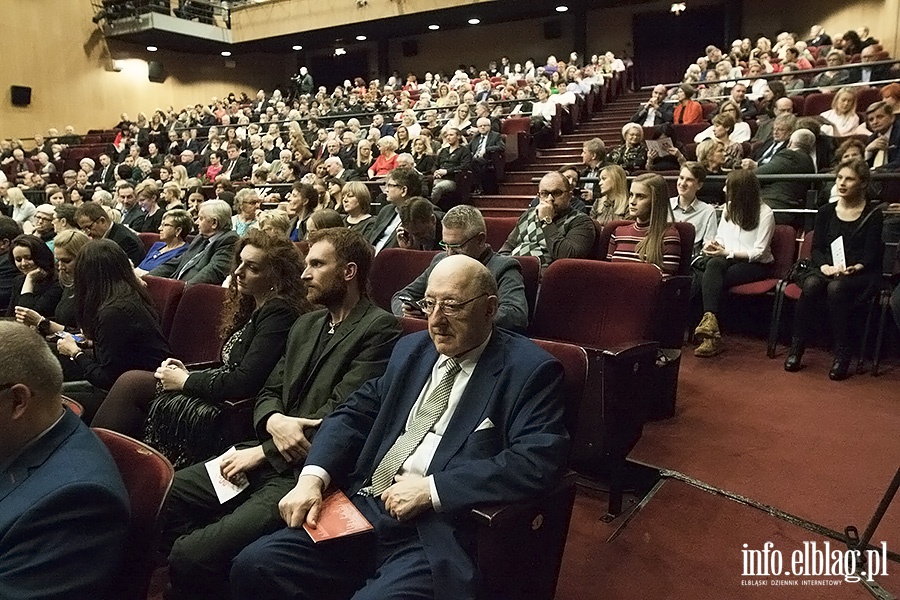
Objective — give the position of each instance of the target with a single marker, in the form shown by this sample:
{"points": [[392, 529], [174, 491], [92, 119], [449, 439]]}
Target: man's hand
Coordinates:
{"points": [[891, 209], [748, 163], [879, 143], [303, 503], [241, 461], [404, 240], [289, 437], [440, 173], [545, 209], [413, 314], [408, 497], [851, 269]]}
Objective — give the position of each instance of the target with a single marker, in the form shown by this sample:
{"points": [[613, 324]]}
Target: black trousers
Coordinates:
{"points": [[205, 535], [840, 297], [720, 273]]}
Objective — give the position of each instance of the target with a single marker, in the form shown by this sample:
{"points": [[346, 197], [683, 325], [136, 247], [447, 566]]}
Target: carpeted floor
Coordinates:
{"points": [[821, 450]]}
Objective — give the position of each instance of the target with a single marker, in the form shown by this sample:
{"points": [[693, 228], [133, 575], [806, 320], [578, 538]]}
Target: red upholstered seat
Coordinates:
{"points": [[166, 294], [393, 269], [783, 245], [149, 239], [684, 134], [515, 125], [147, 476], [498, 229], [194, 337], [867, 96], [816, 104], [786, 289], [72, 405]]}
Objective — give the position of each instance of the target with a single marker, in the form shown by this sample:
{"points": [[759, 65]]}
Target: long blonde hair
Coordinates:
{"points": [[650, 249], [619, 192]]}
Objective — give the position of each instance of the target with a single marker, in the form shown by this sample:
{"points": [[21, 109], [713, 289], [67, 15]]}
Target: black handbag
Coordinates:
{"points": [[186, 429]]}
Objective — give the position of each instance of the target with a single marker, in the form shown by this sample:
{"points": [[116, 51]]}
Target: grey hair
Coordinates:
{"points": [[220, 211], [465, 217], [27, 359]]}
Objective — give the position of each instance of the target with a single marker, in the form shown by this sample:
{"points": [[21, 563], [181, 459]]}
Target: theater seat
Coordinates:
{"points": [[786, 289], [498, 229], [148, 239], [393, 269], [817, 103], [166, 294], [783, 245], [148, 476], [194, 338]]}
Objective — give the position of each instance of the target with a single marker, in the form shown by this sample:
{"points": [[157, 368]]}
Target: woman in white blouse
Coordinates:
{"points": [[739, 254], [842, 116], [741, 132]]}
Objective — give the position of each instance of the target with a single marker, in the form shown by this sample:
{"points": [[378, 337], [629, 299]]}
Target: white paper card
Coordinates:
{"points": [[839, 260], [225, 490]]}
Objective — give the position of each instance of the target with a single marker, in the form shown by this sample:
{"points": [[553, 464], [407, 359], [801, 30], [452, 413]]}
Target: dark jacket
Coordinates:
{"points": [[786, 194], [43, 299], [454, 162], [202, 263], [241, 168], [128, 241], [495, 144]]}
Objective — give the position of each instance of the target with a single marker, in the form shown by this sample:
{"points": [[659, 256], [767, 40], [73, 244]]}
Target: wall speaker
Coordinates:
{"points": [[155, 71], [21, 95], [552, 30], [410, 47]]}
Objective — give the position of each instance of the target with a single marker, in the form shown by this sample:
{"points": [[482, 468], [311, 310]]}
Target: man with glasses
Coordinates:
{"points": [[466, 414], [43, 223], [95, 222], [64, 513], [419, 227], [553, 229], [464, 232], [401, 186]]}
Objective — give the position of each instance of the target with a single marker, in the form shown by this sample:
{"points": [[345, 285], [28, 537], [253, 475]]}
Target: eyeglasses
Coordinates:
{"points": [[448, 307], [88, 227], [544, 194], [444, 245], [45, 218]]}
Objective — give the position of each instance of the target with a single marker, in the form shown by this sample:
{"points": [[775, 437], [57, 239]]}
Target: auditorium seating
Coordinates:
{"points": [[166, 295], [194, 337], [498, 229], [786, 289], [393, 269], [148, 476], [783, 246]]}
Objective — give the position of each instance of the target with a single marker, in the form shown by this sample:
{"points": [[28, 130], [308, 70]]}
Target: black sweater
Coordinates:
{"points": [[861, 244], [43, 299]]}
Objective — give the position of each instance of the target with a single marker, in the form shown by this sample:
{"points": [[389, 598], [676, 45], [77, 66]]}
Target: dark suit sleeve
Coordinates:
{"points": [[134, 248], [67, 545], [216, 269], [512, 313], [640, 116], [534, 455], [168, 268], [250, 373]]}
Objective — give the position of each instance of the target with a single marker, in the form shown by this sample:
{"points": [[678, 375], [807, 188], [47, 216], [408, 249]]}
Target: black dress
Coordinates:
{"points": [[43, 299]]}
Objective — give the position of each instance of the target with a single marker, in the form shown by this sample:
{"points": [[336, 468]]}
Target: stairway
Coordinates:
{"points": [[519, 188]]}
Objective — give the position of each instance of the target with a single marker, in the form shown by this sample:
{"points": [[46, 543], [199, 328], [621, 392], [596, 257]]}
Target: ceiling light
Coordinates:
{"points": [[297, 47], [226, 53], [434, 27], [339, 51], [360, 38], [474, 21], [677, 8], [562, 8], [152, 48]]}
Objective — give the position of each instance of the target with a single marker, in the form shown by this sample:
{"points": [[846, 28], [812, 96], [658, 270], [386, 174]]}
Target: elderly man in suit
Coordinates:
{"points": [[93, 219], [883, 147], [208, 258], [796, 159], [485, 146], [329, 354], [64, 511], [465, 414]]}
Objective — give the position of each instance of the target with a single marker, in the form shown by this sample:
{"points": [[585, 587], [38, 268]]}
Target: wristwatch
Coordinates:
{"points": [[43, 327]]}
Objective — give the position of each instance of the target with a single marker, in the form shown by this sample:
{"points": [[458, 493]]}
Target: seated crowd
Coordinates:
{"points": [[414, 430]]}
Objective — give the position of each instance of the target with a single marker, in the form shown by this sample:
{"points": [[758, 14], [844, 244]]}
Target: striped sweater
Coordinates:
{"points": [[625, 239]]}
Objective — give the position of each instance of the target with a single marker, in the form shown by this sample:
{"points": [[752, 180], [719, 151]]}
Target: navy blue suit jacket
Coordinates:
{"points": [[64, 517], [892, 157], [515, 384]]}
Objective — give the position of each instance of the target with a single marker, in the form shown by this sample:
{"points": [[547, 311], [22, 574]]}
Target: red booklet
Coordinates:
{"points": [[337, 518]]}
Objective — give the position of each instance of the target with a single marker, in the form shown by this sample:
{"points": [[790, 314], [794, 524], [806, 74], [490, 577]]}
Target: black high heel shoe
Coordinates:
{"points": [[793, 362]]}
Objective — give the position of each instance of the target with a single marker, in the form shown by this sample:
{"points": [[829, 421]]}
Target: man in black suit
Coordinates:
{"points": [[93, 220], [485, 147], [237, 167], [883, 147], [401, 185], [865, 73], [330, 353], [132, 214], [655, 111], [419, 228], [739, 97], [106, 174], [796, 159], [334, 166], [453, 159], [782, 128], [193, 167], [818, 37], [348, 150], [9, 230], [209, 256]]}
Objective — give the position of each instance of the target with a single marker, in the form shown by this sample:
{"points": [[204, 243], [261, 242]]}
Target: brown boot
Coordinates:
{"points": [[709, 347], [708, 327]]}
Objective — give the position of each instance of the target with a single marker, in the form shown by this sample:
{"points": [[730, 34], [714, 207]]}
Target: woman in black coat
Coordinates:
{"points": [[37, 287], [265, 296]]}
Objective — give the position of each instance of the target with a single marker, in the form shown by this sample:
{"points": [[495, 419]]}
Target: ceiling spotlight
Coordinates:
{"points": [[677, 8], [434, 27], [474, 21], [152, 48], [226, 53], [360, 38], [339, 51], [562, 8], [297, 47]]}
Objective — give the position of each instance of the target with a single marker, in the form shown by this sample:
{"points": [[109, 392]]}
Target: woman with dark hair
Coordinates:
{"points": [[117, 319], [324, 218], [215, 166], [842, 287], [687, 110], [740, 253], [182, 408], [37, 286], [852, 43], [651, 238]]}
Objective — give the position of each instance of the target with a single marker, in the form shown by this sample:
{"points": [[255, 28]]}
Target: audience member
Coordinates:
{"points": [[687, 110], [796, 159], [43, 223], [484, 148], [867, 73], [173, 232], [329, 354], [386, 472], [593, 155], [207, 258], [464, 232], [93, 219], [387, 158], [842, 287], [400, 187], [36, 287], [22, 208], [883, 146], [324, 218], [356, 203], [246, 203], [237, 167], [632, 154], [655, 111], [453, 159], [301, 204], [651, 238], [842, 115], [65, 517], [132, 213], [740, 253], [419, 226], [612, 197], [553, 229], [738, 133], [118, 321], [265, 296], [688, 208], [782, 127], [147, 193]]}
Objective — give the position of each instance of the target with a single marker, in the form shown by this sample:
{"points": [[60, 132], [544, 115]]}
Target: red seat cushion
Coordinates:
{"points": [[754, 288]]}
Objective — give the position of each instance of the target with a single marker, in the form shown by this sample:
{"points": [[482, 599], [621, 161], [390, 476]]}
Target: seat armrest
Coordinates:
{"points": [[240, 404], [630, 350], [507, 515]]}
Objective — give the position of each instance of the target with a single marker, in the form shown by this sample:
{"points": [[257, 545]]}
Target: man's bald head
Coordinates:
{"points": [[784, 106], [466, 289]]}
